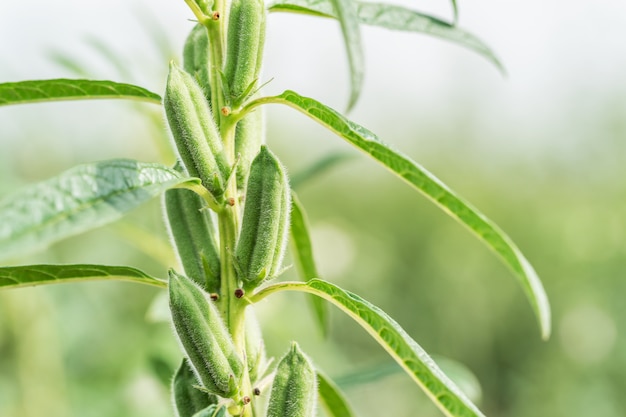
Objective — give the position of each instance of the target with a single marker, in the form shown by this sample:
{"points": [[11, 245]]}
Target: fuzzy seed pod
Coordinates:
{"points": [[196, 57], [294, 388], [265, 223], [188, 400], [255, 347], [193, 230], [246, 39], [195, 133], [203, 335]]}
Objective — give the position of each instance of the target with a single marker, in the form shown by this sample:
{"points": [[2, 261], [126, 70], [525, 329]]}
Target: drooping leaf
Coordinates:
{"points": [[65, 89], [303, 257], [395, 18], [331, 397], [346, 13], [31, 275], [400, 346], [80, 199], [429, 185], [318, 168]]}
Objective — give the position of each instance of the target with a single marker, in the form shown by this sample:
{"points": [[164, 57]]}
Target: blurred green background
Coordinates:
{"points": [[541, 152]]}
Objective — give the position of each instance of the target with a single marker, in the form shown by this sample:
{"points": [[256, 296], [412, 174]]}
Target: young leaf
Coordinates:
{"points": [[80, 199], [346, 13], [395, 18], [303, 257], [402, 348], [65, 89], [430, 186], [31, 275], [332, 398]]}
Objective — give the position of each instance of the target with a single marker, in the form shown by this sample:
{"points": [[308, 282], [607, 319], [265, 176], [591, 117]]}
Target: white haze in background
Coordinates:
{"points": [[559, 55]]}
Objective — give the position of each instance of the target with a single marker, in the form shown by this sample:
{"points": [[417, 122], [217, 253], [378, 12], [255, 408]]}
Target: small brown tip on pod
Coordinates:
{"points": [[215, 16], [256, 391], [239, 293], [246, 400], [215, 296]]}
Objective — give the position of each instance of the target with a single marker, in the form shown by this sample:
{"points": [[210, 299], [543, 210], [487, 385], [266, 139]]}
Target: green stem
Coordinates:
{"points": [[284, 286]]}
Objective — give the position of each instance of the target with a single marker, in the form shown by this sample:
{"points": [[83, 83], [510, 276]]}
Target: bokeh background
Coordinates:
{"points": [[541, 151]]}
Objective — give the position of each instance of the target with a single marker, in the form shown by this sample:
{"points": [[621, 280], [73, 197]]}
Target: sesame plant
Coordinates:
{"points": [[231, 213]]}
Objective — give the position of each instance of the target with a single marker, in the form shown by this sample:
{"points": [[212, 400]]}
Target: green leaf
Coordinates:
{"points": [[303, 257], [346, 13], [431, 187], [80, 199], [31, 275], [332, 398], [395, 18], [462, 376], [455, 11], [402, 348], [319, 167], [65, 89]]}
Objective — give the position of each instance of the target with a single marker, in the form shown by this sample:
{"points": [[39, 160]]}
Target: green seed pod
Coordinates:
{"points": [[294, 388], [196, 57], [195, 133], [249, 136], [192, 227], [246, 39], [255, 347], [188, 400], [265, 223], [203, 335]]}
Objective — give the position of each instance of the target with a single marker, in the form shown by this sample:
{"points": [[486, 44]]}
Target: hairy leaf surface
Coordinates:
{"points": [[80, 199]]}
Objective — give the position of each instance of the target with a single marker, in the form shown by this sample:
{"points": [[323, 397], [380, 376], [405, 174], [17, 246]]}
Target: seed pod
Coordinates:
{"points": [[188, 400], [205, 340], [295, 387], [246, 39], [196, 57], [249, 136], [255, 347], [265, 223], [194, 130], [193, 230]]}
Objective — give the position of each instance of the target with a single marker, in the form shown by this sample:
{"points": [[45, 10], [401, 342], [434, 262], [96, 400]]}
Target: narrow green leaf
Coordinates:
{"points": [[395, 18], [31, 275], [346, 13], [80, 199], [113, 57], [400, 346], [430, 186], [69, 63], [462, 376], [66, 89], [331, 397], [303, 257], [318, 168], [455, 11]]}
